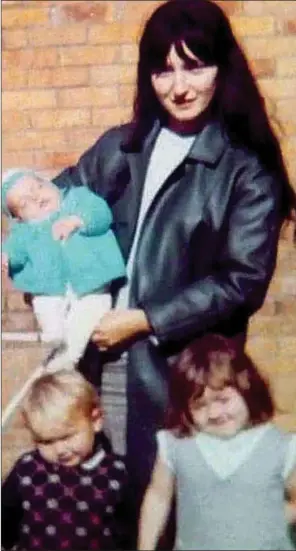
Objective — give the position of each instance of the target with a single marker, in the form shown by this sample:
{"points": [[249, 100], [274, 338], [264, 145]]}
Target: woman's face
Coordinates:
{"points": [[184, 88]]}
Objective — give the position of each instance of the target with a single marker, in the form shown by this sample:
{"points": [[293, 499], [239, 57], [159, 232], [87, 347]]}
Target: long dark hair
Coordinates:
{"points": [[237, 103], [215, 361]]}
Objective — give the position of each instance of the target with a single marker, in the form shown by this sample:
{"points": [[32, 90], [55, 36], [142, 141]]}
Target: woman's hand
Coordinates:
{"points": [[118, 326]]}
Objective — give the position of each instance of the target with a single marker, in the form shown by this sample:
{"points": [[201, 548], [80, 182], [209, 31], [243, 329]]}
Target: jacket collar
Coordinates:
{"points": [[209, 144], [207, 147]]}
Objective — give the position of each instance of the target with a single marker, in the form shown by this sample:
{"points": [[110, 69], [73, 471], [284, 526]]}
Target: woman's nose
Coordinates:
{"points": [[180, 83]]}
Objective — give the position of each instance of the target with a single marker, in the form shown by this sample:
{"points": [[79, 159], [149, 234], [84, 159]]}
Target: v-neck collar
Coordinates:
{"points": [[225, 456]]}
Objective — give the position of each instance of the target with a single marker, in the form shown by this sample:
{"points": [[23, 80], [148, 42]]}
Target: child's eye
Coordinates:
{"points": [[222, 399], [43, 442]]}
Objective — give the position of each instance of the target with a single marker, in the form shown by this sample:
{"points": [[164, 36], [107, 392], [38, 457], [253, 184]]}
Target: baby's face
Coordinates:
{"points": [[31, 199]]}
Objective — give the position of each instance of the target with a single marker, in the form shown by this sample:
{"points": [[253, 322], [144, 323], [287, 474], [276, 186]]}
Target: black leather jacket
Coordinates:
{"points": [[208, 248], [206, 254]]}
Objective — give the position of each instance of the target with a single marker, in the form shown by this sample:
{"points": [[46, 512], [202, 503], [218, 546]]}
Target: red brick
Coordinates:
{"points": [[88, 55], [290, 26], [109, 74], [129, 53], [24, 17], [57, 77], [289, 145], [14, 39], [28, 99], [291, 166], [286, 421], [49, 36], [22, 321], [88, 12], [270, 7], [126, 94], [60, 118], [105, 34], [276, 46], [35, 140], [230, 7], [141, 12], [111, 117], [287, 347], [80, 141], [248, 26], [17, 158], [15, 120], [286, 66], [264, 67], [286, 108], [278, 88], [16, 302], [57, 159], [115, 32], [28, 58], [81, 97], [14, 79]]}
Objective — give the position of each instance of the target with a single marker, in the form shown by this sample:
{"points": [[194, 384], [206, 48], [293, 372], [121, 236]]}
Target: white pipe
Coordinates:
{"points": [[56, 359], [18, 397]]}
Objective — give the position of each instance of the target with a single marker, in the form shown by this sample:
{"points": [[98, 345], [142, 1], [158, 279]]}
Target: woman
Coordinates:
{"points": [[198, 190]]}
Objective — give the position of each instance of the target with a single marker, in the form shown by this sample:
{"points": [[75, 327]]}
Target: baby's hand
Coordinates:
{"points": [[4, 262], [61, 229]]}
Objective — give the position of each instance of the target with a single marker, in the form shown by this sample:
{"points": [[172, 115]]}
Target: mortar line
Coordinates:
{"points": [[19, 336]]}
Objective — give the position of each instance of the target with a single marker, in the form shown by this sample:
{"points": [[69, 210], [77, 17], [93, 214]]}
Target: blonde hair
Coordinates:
{"points": [[65, 394]]}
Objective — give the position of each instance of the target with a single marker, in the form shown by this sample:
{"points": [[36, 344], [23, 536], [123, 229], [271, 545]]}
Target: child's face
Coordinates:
{"points": [[67, 443], [221, 412], [30, 199]]}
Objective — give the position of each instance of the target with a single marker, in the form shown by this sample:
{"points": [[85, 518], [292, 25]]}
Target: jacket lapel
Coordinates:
{"points": [[138, 163], [207, 149]]}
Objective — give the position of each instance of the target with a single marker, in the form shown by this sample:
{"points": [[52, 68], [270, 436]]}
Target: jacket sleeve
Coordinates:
{"points": [[243, 268], [11, 510], [92, 209], [14, 247]]}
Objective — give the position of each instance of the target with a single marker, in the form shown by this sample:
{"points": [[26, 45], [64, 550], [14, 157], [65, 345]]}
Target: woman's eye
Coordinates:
{"points": [[196, 70], [163, 72]]}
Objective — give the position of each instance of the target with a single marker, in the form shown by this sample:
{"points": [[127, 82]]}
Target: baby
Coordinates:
{"points": [[61, 249], [65, 493]]}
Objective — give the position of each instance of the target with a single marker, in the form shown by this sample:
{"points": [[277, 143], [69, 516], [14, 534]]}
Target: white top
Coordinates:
{"points": [[225, 455], [169, 151]]}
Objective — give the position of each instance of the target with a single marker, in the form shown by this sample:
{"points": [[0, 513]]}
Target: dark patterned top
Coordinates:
{"points": [[63, 508]]}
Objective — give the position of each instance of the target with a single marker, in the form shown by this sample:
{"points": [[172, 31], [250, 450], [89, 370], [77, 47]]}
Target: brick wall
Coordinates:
{"points": [[68, 71]]}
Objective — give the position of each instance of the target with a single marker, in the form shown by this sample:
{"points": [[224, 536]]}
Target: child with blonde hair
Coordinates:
{"points": [[230, 465], [64, 494]]}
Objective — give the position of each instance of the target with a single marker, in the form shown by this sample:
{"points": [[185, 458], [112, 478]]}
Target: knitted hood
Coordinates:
{"points": [[9, 179]]}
